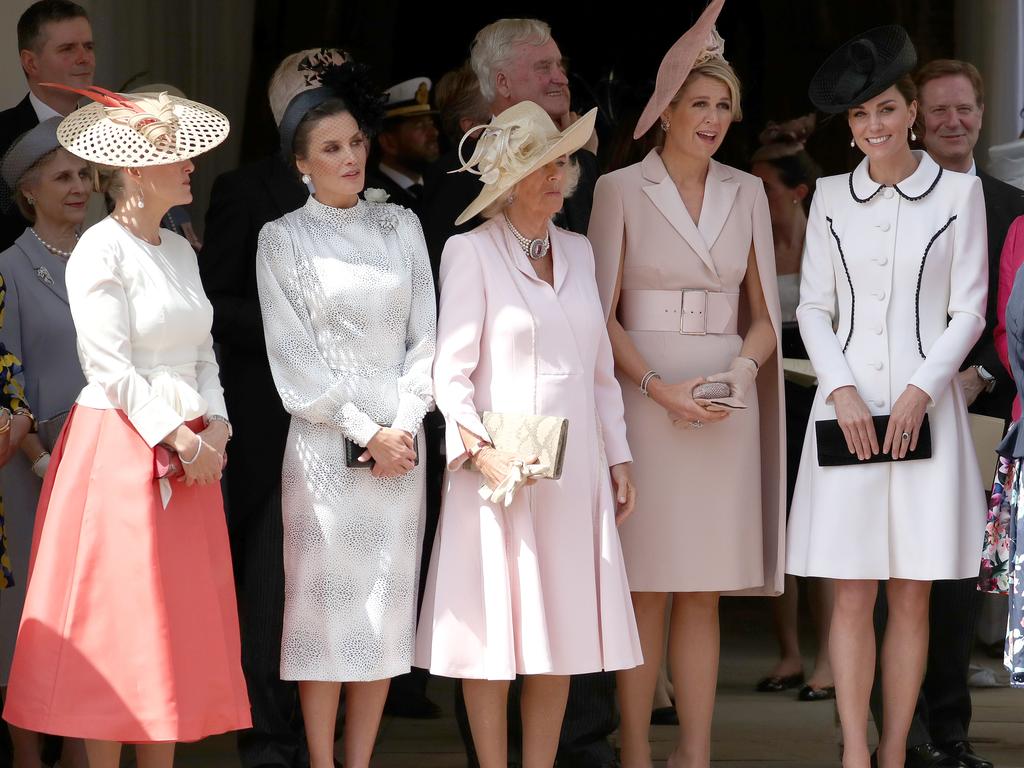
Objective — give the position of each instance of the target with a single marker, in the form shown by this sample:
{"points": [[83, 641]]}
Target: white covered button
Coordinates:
{"points": [[884, 226], [880, 295], [879, 329], [877, 365], [887, 193], [878, 403], [882, 261]]}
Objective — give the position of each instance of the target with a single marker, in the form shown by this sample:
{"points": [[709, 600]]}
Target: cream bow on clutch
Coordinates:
{"points": [[518, 475]]}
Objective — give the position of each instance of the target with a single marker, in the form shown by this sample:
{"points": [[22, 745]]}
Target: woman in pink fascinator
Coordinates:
{"points": [[686, 270]]}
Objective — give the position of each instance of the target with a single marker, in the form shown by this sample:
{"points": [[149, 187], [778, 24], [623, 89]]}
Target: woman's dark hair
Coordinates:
{"points": [[905, 85], [353, 92], [796, 169]]}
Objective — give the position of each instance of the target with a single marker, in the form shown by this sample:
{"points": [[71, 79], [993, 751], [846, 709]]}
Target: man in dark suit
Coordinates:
{"points": [[55, 46], [517, 60], [951, 107], [406, 145], [241, 202]]}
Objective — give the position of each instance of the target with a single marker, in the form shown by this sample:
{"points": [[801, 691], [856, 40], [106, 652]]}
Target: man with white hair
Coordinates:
{"points": [[518, 60], [514, 60], [241, 202]]}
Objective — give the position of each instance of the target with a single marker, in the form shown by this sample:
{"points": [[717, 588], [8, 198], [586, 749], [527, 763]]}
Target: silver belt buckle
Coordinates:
{"points": [[701, 314]]}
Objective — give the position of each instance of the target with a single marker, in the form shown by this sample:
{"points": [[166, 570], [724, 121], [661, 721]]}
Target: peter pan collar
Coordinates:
{"points": [[916, 186]]}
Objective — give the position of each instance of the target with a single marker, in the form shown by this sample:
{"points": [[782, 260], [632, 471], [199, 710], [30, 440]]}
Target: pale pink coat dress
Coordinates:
{"points": [[540, 587]]}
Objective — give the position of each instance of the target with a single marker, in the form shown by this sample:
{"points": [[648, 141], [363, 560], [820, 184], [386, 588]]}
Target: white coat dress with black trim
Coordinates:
{"points": [[893, 289]]}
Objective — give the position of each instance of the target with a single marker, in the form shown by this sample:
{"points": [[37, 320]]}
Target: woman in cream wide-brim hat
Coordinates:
{"points": [[534, 586], [129, 632]]}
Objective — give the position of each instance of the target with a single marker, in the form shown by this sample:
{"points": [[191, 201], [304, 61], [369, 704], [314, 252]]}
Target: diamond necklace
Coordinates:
{"points": [[537, 248]]}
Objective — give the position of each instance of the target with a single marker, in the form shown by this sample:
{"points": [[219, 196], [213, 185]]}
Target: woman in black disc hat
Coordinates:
{"points": [[892, 298]]}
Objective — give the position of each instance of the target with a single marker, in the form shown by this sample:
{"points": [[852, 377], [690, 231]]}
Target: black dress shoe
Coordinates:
{"points": [[774, 683], [930, 756], [807, 693], [664, 716], [964, 752]]}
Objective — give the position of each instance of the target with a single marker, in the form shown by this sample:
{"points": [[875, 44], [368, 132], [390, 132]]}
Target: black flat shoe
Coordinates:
{"points": [[774, 683], [930, 756], [807, 693], [664, 716], [964, 752]]}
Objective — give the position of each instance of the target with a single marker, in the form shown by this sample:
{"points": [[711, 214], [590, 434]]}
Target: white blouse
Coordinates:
{"points": [[143, 324]]}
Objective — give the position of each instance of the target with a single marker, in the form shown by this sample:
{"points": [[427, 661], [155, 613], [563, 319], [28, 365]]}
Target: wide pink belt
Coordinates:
{"points": [[691, 312]]}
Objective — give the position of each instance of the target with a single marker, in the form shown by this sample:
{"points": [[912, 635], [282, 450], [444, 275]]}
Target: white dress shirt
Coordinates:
{"points": [[43, 111]]}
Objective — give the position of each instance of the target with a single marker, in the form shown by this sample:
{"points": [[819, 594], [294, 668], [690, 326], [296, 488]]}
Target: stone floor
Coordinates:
{"points": [[751, 730]]}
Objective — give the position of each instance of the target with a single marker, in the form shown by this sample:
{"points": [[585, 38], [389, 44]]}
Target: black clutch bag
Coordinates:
{"points": [[354, 450], [832, 450]]}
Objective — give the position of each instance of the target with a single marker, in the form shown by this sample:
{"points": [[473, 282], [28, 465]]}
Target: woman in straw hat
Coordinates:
{"points": [[530, 582], [348, 310], [892, 298], [129, 632], [686, 269]]}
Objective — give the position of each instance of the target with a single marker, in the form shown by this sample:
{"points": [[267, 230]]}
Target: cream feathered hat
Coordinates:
{"points": [[139, 129], [517, 142]]}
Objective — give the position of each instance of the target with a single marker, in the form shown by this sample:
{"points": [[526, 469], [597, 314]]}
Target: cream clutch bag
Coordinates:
{"points": [[529, 435]]}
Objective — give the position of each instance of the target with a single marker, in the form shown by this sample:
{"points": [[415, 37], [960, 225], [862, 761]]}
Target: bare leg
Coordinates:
{"points": [[821, 594], [636, 686], [487, 710], [852, 651], [904, 655], [785, 609], [26, 745], [364, 703], [103, 754], [155, 755], [319, 702], [543, 707], [694, 646]]}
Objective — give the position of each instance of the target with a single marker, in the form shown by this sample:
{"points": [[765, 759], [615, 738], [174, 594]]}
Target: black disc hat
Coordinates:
{"points": [[861, 68]]}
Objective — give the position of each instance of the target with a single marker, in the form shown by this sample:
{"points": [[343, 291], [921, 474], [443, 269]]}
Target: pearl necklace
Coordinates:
{"points": [[62, 255], [536, 248]]}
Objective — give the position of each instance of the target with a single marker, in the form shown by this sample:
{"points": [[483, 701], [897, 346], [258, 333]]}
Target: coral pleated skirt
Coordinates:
{"points": [[130, 628]]}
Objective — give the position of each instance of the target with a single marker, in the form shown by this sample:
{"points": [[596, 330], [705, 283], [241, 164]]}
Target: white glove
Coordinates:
{"points": [[40, 465], [740, 377], [518, 474]]}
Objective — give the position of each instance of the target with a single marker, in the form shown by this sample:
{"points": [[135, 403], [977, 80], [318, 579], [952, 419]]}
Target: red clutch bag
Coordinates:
{"points": [[166, 463]]}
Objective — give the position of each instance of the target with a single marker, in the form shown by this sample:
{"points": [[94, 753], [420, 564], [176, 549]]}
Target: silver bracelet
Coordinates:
{"points": [[223, 420], [646, 381], [198, 451]]}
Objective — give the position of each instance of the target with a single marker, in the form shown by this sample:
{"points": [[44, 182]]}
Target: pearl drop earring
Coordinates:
{"points": [[913, 136], [306, 179], [852, 143], [665, 125], [142, 198]]}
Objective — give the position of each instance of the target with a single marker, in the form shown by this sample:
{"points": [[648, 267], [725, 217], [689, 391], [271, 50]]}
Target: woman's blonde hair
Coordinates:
{"points": [[109, 182], [569, 182], [719, 69]]}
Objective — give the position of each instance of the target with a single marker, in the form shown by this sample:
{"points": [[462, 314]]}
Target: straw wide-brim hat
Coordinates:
{"points": [[516, 143], [699, 40], [861, 68], [154, 129]]}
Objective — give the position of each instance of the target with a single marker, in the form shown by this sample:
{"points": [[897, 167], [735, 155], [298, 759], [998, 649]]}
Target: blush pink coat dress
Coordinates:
{"points": [[540, 587], [710, 502]]}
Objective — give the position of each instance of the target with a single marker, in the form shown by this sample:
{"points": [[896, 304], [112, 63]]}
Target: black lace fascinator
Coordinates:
{"points": [[349, 81]]}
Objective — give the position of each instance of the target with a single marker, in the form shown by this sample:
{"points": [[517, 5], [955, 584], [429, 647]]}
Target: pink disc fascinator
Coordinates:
{"points": [[698, 44]]}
